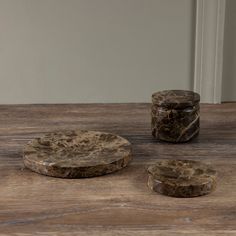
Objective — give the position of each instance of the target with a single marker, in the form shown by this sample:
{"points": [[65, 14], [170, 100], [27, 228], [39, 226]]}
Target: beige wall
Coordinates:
{"points": [[61, 51], [229, 65]]}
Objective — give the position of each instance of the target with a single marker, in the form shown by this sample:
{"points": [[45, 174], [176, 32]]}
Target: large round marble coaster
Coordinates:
{"points": [[181, 178], [77, 154]]}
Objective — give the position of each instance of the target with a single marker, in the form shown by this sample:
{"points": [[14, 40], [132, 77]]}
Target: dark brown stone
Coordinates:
{"points": [[175, 99], [77, 154], [181, 178], [175, 115]]}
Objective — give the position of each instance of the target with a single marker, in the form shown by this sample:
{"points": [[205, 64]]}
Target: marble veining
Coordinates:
{"points": [[181, 178], [175, 115], [76, 154]]}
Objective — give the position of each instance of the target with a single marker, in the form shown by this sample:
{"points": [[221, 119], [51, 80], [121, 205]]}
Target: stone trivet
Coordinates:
{"points": [[77, 154], [181, 178]]}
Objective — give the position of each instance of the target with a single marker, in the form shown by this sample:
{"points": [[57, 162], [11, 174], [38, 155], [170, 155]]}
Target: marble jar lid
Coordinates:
{"points": [[175, 98]]}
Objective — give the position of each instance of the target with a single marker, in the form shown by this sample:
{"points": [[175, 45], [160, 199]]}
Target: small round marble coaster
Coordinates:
{"points": [[181, 178], [77, 154]]}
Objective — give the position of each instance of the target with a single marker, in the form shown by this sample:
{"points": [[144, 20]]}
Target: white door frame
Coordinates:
{"points": [[210, 17]]}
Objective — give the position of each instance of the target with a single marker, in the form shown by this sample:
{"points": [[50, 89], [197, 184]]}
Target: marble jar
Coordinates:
{"points": [[175, 115]]}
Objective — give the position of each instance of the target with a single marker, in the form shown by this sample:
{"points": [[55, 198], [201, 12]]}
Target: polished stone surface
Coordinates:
{"points": [[77, 154], [175, 99], [181, 178], [175, 115]]}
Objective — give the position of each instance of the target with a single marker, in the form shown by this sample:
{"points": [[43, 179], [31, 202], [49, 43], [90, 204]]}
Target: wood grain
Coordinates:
{"points": [[119, 203]]}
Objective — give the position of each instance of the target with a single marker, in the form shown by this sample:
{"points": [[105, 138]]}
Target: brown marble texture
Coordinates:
{"points": [[77, 154], [181, 178], [175, 115], [175, 99]]}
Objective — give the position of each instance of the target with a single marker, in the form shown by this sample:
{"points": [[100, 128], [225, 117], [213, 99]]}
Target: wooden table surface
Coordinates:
{"points": [[119, 203]]}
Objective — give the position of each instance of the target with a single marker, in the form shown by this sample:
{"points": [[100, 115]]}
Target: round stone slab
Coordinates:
{"points": [[77, 154], [181, 178]]}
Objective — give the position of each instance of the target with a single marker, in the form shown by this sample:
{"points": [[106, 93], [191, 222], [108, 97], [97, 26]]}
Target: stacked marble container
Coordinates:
{"points": [[175, 115]]}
